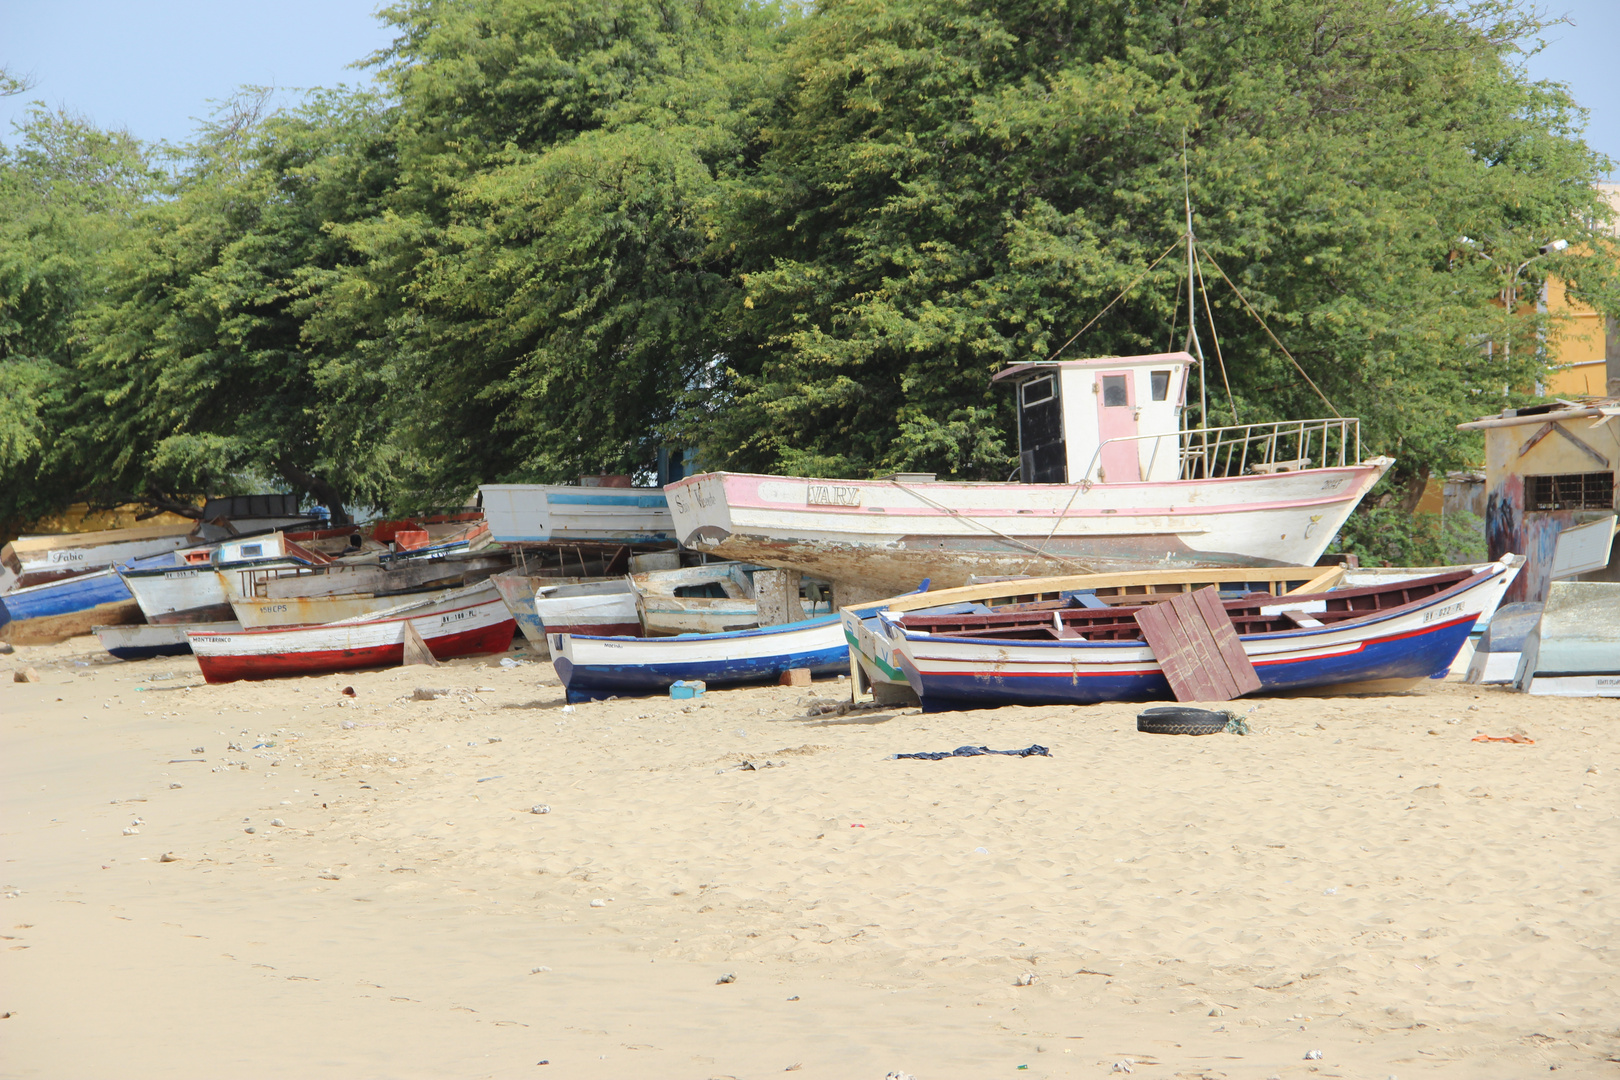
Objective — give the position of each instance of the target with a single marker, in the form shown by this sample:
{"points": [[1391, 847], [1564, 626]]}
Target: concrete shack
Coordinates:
{"points": [[1548, 467]]}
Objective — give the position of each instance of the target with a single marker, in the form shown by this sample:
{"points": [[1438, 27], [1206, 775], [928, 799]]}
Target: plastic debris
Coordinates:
{"points": [[1313, 1055], [598, 903], [977, 751], [540, 808], [1527, 740], [728, 977], [681, 689]]}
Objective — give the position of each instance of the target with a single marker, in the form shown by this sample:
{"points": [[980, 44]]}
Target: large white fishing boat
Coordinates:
{"points": [[1109, 481]]}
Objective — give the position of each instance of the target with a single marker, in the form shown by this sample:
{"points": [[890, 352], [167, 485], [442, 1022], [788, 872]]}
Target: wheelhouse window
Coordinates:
{"points": [[1113, 391], [1161, 385], [1570, 491], [1039, 391]]}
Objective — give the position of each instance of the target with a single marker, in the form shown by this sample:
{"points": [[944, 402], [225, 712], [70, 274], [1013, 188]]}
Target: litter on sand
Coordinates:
{"points": [[978, 751], [1504, 738]]}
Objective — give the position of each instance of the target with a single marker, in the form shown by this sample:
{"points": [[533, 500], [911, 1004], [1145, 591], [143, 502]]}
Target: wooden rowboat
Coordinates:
{"points": [[599, 667], [1375, 638], [57, 610], [145, 641], [873, 664], [460, 622], [35, 560]]}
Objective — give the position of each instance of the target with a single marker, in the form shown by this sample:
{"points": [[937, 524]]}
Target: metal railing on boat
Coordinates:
{"points": [[1247, 449]]}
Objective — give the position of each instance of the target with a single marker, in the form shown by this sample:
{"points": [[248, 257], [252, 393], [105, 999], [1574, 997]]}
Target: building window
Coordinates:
{"points": [[1570, 491], [1114, 390], [1161, 385], [1039, 391]]}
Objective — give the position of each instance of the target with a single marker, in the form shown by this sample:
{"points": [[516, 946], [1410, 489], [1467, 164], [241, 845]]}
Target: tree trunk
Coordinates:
{"points": [[1412, 490], [160, 505], [316, 486]]}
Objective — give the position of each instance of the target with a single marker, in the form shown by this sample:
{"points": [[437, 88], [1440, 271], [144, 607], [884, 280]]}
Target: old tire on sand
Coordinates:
{"points": [[1180, 720]]}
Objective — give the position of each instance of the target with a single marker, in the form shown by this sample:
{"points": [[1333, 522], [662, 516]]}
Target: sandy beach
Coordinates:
{"points": [[359, 887]]}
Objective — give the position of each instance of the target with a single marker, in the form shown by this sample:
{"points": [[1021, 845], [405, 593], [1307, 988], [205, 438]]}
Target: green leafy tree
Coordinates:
{"points": [[67, 192], [948, 187], [209, 357]]}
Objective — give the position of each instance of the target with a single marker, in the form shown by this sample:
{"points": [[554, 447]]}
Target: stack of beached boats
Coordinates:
{"points": [[1080, 639], [59, 586], [713, 597], [278, 581], [1183, 551]]}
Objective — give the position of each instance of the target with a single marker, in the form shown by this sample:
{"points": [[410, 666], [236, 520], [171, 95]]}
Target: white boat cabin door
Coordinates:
{"points": [[1109, 419], [1042, 451], [1116, 419]]}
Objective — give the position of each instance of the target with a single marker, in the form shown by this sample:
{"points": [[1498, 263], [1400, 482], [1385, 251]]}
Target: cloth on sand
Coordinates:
{"points": [[979, 751]]}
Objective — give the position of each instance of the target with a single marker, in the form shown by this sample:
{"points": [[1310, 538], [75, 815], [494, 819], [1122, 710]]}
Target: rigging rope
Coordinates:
{"points": [[1273, 337], [1115, 300], [1010, 539], [1209, 316]]}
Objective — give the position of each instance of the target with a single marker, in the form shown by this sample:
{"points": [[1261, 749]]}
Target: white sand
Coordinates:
{"points": [[1356, 877]]}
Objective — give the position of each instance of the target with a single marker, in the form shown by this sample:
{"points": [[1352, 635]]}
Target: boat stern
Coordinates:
{"points": [[702, 509]]}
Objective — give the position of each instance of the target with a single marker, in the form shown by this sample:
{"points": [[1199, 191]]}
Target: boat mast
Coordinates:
{"points": [[1193, 345]]}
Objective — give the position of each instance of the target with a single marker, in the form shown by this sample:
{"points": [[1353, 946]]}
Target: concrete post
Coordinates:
{"points": [[848, 594], [776, 592]]}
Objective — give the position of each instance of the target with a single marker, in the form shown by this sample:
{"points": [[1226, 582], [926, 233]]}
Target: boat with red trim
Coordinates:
{"points": [[470, 621], [1349, 640]]}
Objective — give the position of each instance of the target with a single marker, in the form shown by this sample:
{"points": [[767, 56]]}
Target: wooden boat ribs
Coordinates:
{"points": [[1254, 613]]}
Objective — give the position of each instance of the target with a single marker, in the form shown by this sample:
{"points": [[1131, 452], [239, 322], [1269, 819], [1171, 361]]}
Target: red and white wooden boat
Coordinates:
{"points": [[459, 622]]}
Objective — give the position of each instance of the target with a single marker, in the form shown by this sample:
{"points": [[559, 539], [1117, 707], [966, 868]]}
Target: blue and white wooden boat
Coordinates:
{"points": [[565, 513], [873, 665], [57, 610], [597, 667], [1352, 640], [145, 641]]}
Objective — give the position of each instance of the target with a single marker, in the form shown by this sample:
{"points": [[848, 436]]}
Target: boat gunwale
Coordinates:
{"points": [[404, 617], [1372, 618]]}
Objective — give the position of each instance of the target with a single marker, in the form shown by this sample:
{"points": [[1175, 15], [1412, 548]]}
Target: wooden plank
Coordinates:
{"points": [[1195, 643], [1006, 590], [416, 650], [1235, 661], [1188, 678], [1541, 433], [1328, 579]]}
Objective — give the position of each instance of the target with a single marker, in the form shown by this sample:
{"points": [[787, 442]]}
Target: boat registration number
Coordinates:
{"points": [[1441, 613], [833, 495]]}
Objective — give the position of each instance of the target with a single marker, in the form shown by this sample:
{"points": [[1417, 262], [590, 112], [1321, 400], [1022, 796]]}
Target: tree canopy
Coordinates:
{"points": [[556, 236]]}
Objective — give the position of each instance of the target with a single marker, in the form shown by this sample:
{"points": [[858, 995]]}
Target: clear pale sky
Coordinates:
{"points": [[152, 65]]}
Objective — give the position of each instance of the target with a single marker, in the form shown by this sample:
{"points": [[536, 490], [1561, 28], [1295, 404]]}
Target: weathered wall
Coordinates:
{"points": [[1508, 528]]}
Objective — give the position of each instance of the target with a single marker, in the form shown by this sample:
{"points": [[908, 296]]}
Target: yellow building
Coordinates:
{"points": [[1548, 468], [1586, 348]]}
